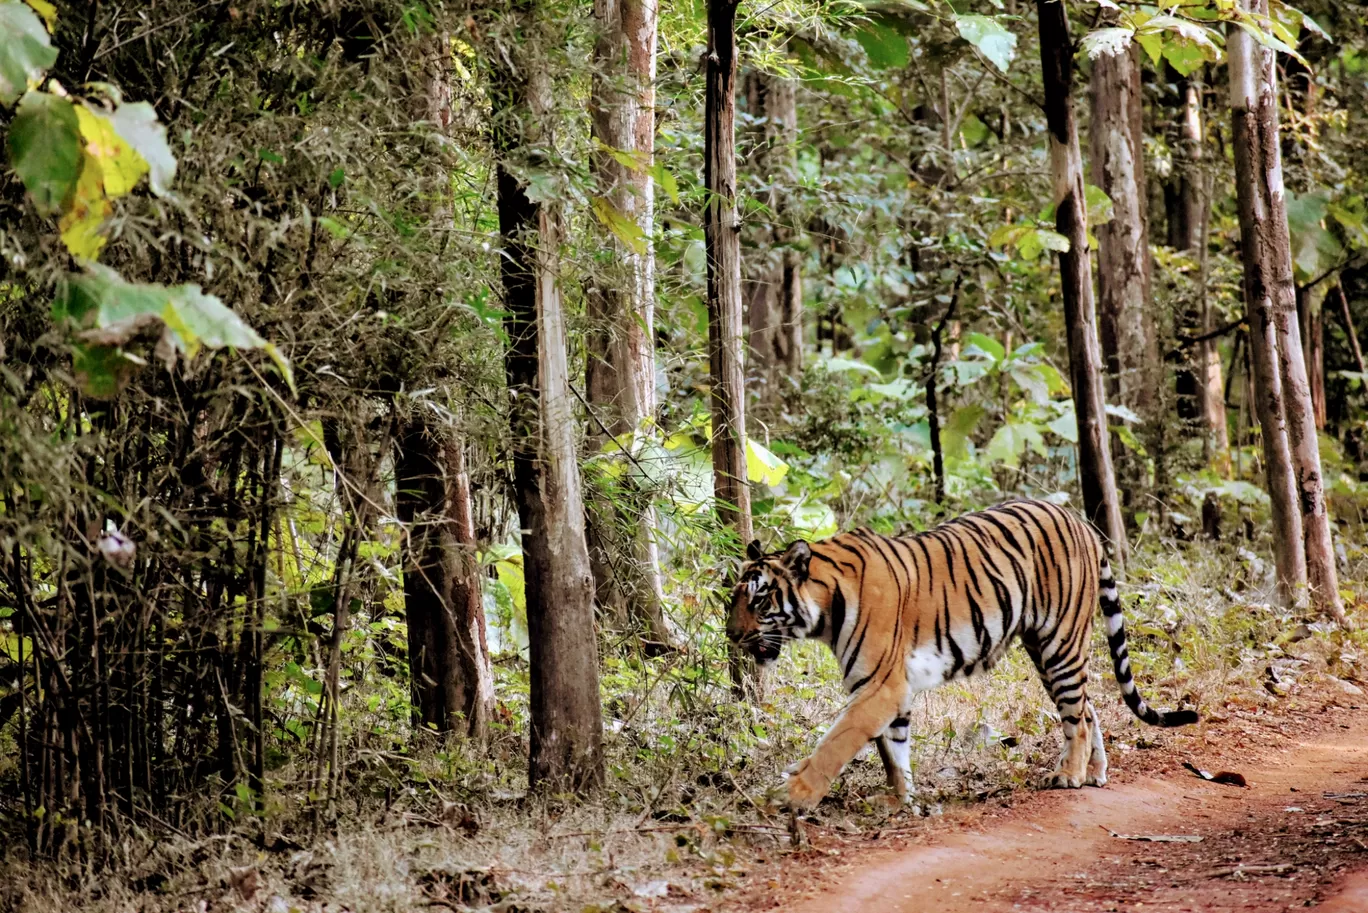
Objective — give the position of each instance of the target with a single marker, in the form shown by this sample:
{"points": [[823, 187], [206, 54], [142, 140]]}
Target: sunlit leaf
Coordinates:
{"points": [[836, 363], [1106, 42], [120, 166], [47, 11], [45, 149], [1066, 426], [762, 465], [626, 231], [25, 50], [1011, 440], [991, 37]]}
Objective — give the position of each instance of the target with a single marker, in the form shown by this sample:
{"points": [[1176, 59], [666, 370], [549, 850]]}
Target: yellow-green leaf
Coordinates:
{"points": [[627, 231], [80, 224], [762, 465], [121, 167], [47, 11]]}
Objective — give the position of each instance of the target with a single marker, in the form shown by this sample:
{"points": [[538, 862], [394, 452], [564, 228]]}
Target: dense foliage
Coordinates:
{"points": [[250, 263]]}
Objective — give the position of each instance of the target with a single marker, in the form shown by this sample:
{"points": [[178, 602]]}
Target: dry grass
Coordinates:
{"points": [[688, 806]]}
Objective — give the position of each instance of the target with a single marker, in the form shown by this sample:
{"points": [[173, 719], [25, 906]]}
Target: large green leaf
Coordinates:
{"points": [[1012, 439], [25, 50], [885, 45], [45, 149], [114, 310], [991, 37]]}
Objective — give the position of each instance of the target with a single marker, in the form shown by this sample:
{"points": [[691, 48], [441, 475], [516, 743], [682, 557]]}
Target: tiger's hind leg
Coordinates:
{"points": [[895, 750], [1097, 759], [1065, 676]]}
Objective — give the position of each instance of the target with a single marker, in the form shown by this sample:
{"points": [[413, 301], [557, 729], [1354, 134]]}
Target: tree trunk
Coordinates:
{"points": [[722, 233], [452, 681], [1216, 441], [1129, 346], [620, 368], [1100, 499], [774, 296], [1311, 322], [566, 719], [1270, 308]]}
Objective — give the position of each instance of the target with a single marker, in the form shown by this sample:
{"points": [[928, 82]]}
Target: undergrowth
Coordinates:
{"points": [[689, 804]]}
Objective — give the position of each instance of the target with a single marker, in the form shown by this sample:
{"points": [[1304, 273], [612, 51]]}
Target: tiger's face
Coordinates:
{"points": [[767, 606]]}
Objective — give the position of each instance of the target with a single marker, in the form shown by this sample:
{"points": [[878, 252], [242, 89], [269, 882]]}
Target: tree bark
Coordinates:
{"points": [[1100, 499], [620, 368], [722, 237], [774, 295], [1216, 441], [1130, 348], [1282, 397], [1311, 322], [452, 681], [722, 228], [566, 738]]}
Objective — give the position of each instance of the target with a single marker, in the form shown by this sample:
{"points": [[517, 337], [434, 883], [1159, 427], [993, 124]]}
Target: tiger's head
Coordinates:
{"points": [[768, 605]]}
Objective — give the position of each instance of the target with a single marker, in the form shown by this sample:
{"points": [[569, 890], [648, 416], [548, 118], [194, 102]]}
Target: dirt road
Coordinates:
{"points": [[1296, 836]]}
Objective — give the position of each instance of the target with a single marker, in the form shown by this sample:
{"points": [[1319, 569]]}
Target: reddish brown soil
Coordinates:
{"points": [[1296, 837]]}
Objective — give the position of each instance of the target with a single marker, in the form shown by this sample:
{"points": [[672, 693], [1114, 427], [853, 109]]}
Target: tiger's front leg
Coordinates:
{"points": [[866, 716]]}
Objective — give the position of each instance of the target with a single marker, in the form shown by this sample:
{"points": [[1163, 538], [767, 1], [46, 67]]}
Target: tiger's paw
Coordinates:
{"points": [[1096, 779], [1061, 780], [804, 787]]}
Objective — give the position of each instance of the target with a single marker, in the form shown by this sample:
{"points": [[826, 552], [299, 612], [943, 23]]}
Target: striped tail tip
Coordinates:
{"points": [[1171, 718]]}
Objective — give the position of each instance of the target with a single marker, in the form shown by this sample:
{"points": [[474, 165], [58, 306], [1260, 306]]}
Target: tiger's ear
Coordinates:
{"points": [[797, 558], [753, 551]]}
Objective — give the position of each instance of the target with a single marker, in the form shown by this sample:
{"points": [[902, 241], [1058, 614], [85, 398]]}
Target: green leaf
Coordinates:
{"points": [[836, 363], [137, 124], [885, 46], [1153, 44], [25, 50], [45, 149], [336, 178], [955, 435], [99, 299], [986, 344], [1030, 379], [1066, 426], [1012, 439], [666, 179], [627, 231], [102, 371], [992, 39]]}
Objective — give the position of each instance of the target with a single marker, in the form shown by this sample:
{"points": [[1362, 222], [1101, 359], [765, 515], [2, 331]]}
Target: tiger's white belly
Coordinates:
{"points": [[927, 668]]}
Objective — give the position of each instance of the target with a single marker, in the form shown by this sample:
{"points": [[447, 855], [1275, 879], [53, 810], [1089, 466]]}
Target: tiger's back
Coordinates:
{"points": [[903, 614]]}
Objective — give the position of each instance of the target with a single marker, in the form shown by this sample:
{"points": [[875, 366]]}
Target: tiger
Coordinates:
{"points": [[902, 614]]}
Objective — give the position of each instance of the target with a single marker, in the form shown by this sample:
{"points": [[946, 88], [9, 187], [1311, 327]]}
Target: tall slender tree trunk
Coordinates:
{"points": [[1302, 545], [1311, 322], [1100, 499], [451, 676], [1216, 441], [1184, 208], [566, 719], [722, 234], [1130, 347], [620, 371], [774, 294]]}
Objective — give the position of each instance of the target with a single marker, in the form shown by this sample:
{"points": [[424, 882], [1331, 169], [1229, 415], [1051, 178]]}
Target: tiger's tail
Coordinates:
{"points": [[1116, 641]]}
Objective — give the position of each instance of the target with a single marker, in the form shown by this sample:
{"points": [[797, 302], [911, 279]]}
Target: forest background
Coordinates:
{"points": [[390, 388]]}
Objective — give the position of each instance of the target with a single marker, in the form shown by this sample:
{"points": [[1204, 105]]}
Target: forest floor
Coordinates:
{"points": [[1158, 837]]}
